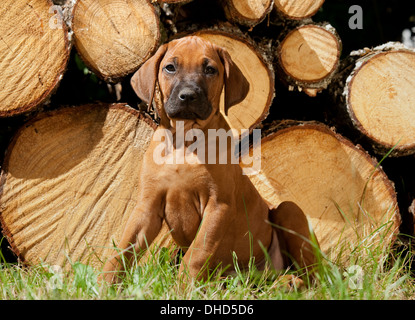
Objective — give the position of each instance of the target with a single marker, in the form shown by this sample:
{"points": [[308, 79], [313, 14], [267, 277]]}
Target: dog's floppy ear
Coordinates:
{"points": [[236, 85], [144, 80]]}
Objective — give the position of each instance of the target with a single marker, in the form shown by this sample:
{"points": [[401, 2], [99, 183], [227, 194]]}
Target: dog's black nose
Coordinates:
{"points": [[188, 100], [187, 95]]}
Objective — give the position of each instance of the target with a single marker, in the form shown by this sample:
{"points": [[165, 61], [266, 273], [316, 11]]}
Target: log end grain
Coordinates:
{"points": [[115, 37], [247, 12], [33, 54], [309, 56], [70, 181], [298, 10], [381, 100], [345, 196]]}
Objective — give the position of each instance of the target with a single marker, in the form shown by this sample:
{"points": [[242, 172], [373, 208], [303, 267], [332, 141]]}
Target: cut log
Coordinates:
{"points": [[69, 182], [115, 37], [34, 51], [309, 56], [247, 12], [379, 97], [347, 198], [298, 9], [259, 73]]}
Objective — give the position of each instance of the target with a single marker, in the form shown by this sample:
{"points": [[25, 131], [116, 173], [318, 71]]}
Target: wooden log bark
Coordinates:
{"points": [[376, 92], [347, 198], [69, 182], [247, 12], [297, 9], [34, 51], [258, 71], [308, 57], [115, 37]]}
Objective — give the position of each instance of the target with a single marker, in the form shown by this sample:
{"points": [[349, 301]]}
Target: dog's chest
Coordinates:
{"points": [[188, 192]]}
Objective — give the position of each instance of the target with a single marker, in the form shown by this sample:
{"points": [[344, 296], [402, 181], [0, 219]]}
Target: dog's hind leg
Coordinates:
{"points": [[294, 236]]}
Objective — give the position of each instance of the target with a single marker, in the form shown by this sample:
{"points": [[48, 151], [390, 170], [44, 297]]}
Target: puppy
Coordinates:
{"points": [[213, 211]]}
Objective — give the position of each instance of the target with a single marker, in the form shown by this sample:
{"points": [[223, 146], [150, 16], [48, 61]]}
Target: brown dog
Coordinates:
{"points": [[212, 210]]}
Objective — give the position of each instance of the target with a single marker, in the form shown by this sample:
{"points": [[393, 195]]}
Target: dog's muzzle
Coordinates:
{"points": [[188, 101]]}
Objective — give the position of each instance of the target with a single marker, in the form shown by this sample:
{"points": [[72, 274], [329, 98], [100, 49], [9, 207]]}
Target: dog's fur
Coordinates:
{"points": [[212, 210]]}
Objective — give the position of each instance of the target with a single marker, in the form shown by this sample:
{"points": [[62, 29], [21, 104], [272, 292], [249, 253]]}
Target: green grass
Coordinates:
{"points": [[371, 272]]}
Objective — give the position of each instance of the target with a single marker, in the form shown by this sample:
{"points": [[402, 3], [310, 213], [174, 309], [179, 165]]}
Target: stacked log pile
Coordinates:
{"points": [[70, 175]]}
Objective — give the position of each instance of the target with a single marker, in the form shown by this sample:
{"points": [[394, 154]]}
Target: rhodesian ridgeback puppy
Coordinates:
{"points": [[213, 211]]}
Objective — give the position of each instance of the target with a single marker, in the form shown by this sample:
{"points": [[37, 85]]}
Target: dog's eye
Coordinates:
{"points": [[210, 70], [170, 68]]}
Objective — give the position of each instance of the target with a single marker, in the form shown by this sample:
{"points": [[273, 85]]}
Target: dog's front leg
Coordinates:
{"points": [[209, 243], [195, 263], [141, 229]]}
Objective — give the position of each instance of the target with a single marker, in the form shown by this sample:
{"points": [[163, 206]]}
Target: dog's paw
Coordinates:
{"points": [[289, 282]]}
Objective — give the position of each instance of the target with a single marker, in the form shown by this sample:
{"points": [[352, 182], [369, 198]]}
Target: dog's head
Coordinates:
{"points": [[191, 73]]}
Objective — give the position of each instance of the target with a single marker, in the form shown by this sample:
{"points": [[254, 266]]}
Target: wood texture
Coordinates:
{"points": [[114, 37], [309, 56], [247, 12], [69, 182], [298, 9], [346, 197], [380, 98], [254, 108], [34, 52]]}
